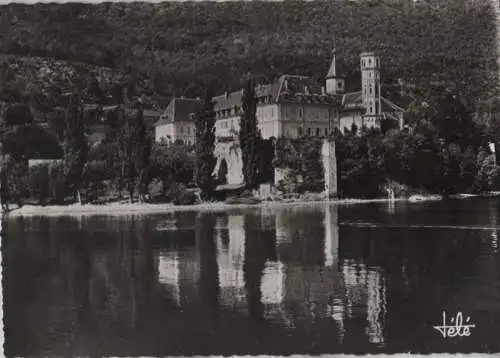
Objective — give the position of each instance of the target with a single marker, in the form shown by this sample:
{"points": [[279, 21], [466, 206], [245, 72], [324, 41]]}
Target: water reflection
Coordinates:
{"points": [[291, 279]]}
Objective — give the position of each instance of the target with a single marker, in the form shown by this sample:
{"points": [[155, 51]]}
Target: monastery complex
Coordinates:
{"points": [[292, 106]]}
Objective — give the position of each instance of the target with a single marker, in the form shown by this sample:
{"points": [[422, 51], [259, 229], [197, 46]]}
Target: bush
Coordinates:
{"points": [[39, 183], [180, 195], [18, 184], [186, 197]]}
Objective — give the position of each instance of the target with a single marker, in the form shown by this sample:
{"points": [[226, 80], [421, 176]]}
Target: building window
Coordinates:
{"points": [[317, 132], [299, 130], [308, 131], [371, 90], [371, 110], [182, 130], [326, 131], [189, 130]]}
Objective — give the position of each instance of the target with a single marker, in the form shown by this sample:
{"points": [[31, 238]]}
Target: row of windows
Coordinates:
{"points": [[263, 112], [236, 110], [370, 61], [227, 123], [188, 130], [187, 141], [311, 131]]}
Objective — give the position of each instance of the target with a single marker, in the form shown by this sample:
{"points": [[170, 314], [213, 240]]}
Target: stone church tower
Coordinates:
{"points": [[334, 84], [370, 84]]}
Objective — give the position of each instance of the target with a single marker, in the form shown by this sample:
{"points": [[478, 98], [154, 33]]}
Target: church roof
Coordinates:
{"points": [[352, 100], [389, 106], [179, 110], [228, 100], [285, 89], [301, 89]]}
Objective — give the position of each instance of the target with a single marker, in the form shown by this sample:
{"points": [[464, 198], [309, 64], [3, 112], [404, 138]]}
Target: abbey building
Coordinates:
{"points": [[292, 106]]}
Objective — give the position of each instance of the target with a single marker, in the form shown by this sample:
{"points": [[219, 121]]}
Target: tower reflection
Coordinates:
{"points": [[209, 271]]}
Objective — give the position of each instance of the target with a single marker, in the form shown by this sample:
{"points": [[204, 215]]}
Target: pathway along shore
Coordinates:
{"points": [[144, 208]]}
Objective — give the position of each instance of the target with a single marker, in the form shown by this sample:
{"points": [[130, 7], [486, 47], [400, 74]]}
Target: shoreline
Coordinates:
{"points": [[116, 209]]}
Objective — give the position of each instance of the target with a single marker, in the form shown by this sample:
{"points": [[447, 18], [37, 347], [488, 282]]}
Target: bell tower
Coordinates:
{"points": [[370, 83], [334, 84]]}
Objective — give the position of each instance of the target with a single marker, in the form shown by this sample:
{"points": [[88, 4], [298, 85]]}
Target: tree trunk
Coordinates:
{"points": [[131, 193]]}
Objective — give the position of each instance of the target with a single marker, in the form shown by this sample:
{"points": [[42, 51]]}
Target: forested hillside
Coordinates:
{"points": [[177, 48]]}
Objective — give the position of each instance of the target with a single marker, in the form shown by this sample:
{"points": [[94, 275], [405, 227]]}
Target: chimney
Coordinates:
{"points": [[227, 95]]}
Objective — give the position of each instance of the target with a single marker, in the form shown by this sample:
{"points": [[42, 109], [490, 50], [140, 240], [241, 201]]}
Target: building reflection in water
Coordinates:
{"points": [[494, 233], [281, 267], [230, 256], [169, 275]]}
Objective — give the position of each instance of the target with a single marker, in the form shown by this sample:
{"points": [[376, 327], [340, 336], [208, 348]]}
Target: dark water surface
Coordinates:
{"points": [[321, 279]]}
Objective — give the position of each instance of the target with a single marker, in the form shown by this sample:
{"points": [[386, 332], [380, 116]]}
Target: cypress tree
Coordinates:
{"points": [[250, 137], [204, 147], [75, 145], [142, 151]]}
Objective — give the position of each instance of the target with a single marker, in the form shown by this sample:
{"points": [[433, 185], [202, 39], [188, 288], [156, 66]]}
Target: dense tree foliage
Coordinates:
{"points": [[441, 154], [180, 47], [172, 163], [302, 156]]}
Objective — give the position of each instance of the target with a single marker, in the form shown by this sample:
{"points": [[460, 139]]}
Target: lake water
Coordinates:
{"points": [[365, 278]]}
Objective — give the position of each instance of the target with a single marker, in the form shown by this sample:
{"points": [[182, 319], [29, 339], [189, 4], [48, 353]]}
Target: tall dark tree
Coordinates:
{"points": [[204, 147], [134, 148], [250, 138], [75, 145], [142, 152]]}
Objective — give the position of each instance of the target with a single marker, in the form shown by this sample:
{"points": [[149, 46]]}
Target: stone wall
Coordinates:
{"points": [[231, 152], [329, 168]]}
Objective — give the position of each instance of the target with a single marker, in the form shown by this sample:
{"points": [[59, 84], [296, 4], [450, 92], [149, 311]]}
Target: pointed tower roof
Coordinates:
{"points": [[332, 72]]}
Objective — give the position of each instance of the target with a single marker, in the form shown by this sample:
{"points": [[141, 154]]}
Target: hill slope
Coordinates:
{"points": [[180, 47]]}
